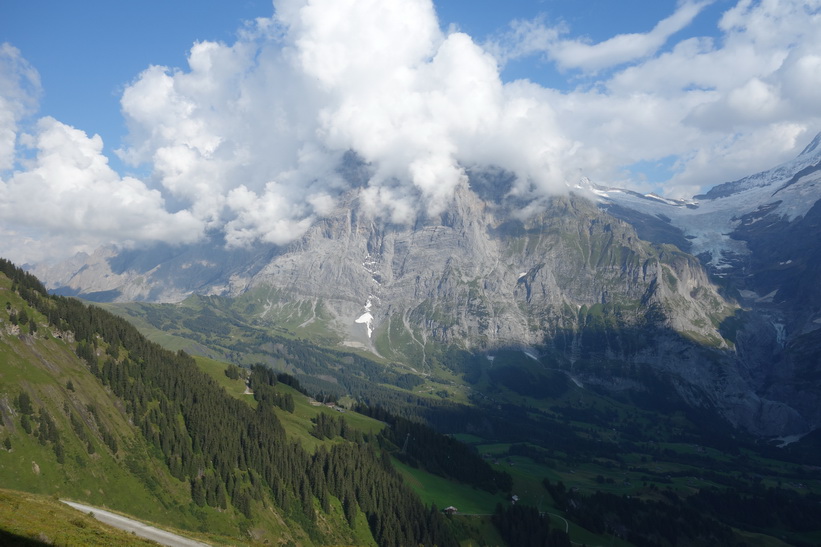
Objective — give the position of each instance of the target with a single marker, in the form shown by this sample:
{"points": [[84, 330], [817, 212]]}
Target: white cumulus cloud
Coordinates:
{"points": [[251, 133], [19, 93], [249, 137], [527, 37], [68, 190], [708, 105]]}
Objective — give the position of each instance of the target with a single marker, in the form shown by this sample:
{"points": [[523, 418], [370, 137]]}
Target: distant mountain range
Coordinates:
{"points": [[716, 296]]}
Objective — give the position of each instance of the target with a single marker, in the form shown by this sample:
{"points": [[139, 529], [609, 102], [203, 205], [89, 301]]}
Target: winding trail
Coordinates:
{"points": [[130, 525], [566, 524]]}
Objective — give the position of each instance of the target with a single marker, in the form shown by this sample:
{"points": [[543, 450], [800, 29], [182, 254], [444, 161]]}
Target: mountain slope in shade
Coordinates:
{"points": [[760, 237]]}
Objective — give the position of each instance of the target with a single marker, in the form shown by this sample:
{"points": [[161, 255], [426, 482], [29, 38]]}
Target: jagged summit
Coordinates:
{"points": [[814, 146], [708, 221], [806, 163]]}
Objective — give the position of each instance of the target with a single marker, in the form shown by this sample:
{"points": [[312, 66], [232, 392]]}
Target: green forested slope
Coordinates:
{"points": [[94, 411], [62, 431]]}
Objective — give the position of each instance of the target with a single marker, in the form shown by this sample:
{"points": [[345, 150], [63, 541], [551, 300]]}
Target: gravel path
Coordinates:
{"points": [[143, 530]]}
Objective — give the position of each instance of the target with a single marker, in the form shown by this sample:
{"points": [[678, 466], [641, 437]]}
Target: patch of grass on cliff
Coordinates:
{"points": [[216, 370]]}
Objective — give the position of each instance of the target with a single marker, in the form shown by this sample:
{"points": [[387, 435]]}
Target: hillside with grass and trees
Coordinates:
{"points": [[94, 411]]}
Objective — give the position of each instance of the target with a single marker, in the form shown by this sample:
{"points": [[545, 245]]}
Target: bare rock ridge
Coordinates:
{"points": [[597, 284]]}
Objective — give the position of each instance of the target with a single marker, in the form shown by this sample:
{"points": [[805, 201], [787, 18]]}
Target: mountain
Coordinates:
{"points": [[713, 296], [758, 237]]}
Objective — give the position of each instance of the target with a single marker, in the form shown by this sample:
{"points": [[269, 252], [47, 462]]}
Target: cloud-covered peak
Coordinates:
{"points": [[251, 135], [248, 138]]}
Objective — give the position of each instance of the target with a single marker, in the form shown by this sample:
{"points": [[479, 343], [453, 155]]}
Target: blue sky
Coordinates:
{"points": [[250, 105], [87, 52]]}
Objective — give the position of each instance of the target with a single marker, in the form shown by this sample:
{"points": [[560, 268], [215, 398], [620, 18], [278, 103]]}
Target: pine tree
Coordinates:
{"points": [[59, 452], [197, 492], [222, 501], [25, 423], [349, 507], [242, 501], [24, 403]]}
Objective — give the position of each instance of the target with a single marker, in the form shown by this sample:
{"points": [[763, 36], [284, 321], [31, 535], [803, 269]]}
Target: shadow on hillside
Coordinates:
{"points": [[8, 539]]}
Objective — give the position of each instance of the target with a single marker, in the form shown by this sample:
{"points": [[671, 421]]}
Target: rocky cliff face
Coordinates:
{"points": [[574, 285], [758, 237], [481, 280]]}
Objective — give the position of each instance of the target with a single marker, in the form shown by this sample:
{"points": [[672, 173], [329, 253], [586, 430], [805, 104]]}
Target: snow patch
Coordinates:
{"points": [[266, 309], [575, 381], [780, 334], [661, 199], [371, 265], [789, 439], [769, 297], [204, 263], [367, 318]]}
